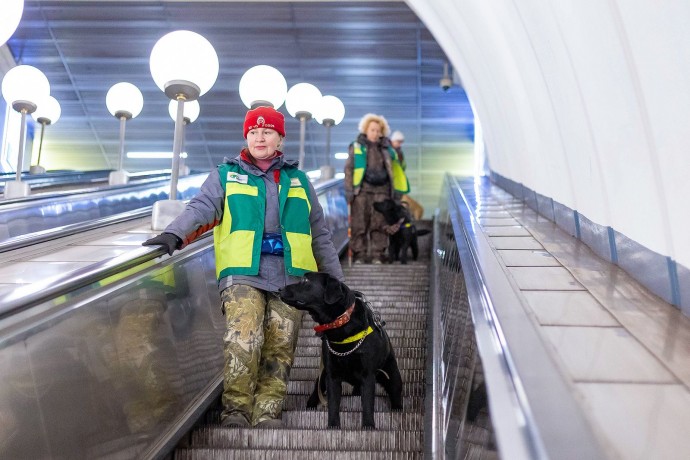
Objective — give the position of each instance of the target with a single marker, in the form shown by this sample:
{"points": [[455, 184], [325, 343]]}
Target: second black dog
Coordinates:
{"points": [[406, 237], [355, 348]]}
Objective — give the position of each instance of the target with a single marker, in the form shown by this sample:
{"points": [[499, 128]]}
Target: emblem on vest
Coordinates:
{"points": [[294, 182], [235, 177]]}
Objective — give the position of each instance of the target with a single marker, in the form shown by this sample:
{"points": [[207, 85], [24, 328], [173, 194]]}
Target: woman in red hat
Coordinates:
{"points": [[257, 253]]}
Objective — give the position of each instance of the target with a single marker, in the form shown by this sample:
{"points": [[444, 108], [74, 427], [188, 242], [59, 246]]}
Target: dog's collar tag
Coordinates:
{"points": [[339, 321]]}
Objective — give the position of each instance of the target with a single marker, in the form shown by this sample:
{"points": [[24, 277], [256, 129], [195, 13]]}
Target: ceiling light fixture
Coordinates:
{"points": [[12, 14], [302, 101], [48, 112], [124, 101], [184, 66], [23, 87], [331, 111], [263, 85]]}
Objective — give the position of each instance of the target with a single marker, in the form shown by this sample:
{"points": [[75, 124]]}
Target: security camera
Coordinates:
{"points": [[445, 83]]}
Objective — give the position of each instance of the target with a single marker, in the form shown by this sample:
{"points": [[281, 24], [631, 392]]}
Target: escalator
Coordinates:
{"points": [[123, 359]]}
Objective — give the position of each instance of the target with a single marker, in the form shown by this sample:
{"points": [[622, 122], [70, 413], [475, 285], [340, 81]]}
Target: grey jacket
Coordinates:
{"points": [[205, 211]]}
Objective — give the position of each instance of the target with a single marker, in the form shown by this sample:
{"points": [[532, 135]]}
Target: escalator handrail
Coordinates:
{"points": [[521, 415], [39, 292], [98, 190], [29, 239]]}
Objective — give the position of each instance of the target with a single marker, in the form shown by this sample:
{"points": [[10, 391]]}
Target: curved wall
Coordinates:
{"points": [[584, 102]]}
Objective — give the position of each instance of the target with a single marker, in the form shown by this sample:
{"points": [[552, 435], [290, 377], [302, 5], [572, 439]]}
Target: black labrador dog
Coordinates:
{"points": [[397, 214], [355, 347]]}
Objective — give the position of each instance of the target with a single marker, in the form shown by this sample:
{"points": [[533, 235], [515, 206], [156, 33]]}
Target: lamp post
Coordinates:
{"points": [[11, 15], [302, 102], [22, 87], [124, 101], [331, 112], [263, 85], [189, 115], [48, 112], [184, 66]]}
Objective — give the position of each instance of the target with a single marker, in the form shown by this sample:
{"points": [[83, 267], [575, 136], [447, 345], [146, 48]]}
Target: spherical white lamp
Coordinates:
{"points": [[263, 85], [47, 112], [190, 111], [184, 62], [124, 100], [184, 66], [331, 111], [303, 100], [11, 15], [22, 88]]}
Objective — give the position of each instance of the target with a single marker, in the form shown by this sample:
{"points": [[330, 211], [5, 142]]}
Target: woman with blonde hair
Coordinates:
{"points": [[373, 173]]}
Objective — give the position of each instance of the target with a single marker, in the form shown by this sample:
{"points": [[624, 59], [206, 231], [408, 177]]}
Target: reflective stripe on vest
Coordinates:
{"points": [[400, 182], [237, 239], [360, 164]]}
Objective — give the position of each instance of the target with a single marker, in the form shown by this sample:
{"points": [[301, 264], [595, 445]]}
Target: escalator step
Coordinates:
{"points": [[354, 404], [292, 439], [273, 454], [312, 419], [305, 387], [310, 374], [400, 352]]}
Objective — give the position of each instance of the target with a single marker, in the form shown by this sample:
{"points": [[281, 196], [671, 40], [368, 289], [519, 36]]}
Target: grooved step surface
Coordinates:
{"points": [[273, 454], [284, 438]]}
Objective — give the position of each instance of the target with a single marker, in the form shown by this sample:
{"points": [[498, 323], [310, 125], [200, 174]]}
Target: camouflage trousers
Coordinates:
{"points": [[259, 347], [368, 239]]}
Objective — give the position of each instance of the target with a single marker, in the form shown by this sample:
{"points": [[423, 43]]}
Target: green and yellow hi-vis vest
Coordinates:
{"points": [[237, 239], [400, 182]]}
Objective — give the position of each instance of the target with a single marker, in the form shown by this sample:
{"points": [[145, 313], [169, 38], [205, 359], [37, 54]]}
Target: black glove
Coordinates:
{"points": [[349, 196], [169, 242]]}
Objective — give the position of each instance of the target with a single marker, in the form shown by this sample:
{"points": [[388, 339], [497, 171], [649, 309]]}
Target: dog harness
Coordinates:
{"points": [[359, 336], [344, 319]]}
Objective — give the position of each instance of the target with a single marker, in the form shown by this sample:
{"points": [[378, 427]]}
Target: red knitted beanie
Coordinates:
{"points": [[264, 117]]}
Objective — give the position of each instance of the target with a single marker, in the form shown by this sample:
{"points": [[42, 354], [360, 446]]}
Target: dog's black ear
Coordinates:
{"points": [[334, 291]]}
